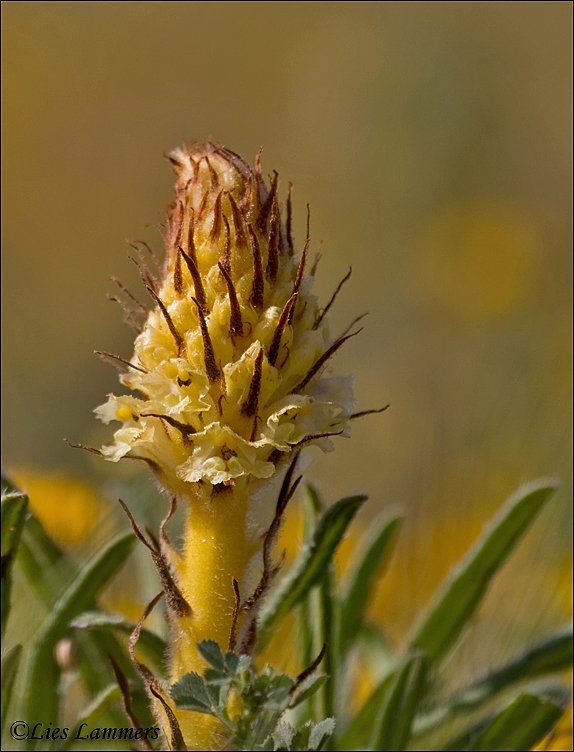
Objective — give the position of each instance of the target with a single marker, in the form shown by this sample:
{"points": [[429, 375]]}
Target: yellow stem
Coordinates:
{"points": [[216, 550]]}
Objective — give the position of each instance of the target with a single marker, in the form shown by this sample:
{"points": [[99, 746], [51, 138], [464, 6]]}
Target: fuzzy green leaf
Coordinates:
{"points": [[308, 688], [152, 647], [278, 692], [215, 676], [43, 677], [320, 733], [14, 506], [190, 693], [377, 550], [268, 745], [211, 651], [519, 726], [465, 586], [394, 721], [283, 737], [310, 565], [10, 663]]}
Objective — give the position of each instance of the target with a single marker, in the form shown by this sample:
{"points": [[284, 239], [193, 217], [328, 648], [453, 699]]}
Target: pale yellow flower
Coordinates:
{"points": [[230, 368]]}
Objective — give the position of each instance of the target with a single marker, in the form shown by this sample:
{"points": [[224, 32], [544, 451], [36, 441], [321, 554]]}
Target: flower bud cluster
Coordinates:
{"points": [[229, 362]]}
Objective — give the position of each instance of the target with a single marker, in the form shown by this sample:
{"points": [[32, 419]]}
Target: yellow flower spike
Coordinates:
{"points": [[230, 363]]}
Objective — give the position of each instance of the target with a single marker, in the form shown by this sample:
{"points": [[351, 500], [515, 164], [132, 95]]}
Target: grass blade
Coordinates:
{"points": [[43, 676], [554, 654], [310, 565], [519, 726], [393, 727], [95, 710], [14, 506], [329, 693], [152, 647], [465, 586], [10, 663], [44, 564], [376, 554], [360, 730]]}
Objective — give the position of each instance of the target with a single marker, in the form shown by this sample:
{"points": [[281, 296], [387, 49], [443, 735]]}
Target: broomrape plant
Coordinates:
{"points": [[229, 369]]}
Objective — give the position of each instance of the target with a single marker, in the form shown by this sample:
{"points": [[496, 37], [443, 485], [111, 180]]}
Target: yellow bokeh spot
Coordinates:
{"points": [[171, 371], [183, 375], [561, 737], [480, 257], [67, 508], [123, 413]]}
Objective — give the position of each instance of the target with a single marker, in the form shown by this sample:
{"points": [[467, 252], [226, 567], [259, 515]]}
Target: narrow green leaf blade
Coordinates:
{"points": [[152, 647], [465, 586], [551, 655], [377, 550], [314, 499], [95, 710], [519, 726], [360, 730], [43, 676], [309, 566], [393, 728], [44, 564], [308, 688], [10, 663], [14, 506]]}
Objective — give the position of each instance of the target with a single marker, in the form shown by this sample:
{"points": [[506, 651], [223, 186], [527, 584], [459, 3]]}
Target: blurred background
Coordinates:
{"points": [[432, 141]]}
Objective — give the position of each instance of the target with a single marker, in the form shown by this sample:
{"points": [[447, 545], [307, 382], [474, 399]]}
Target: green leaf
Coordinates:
{"points": [[360, 730], [95, 710], [309, 566], [44, 564], [10, 663], [309, 627], [244, 663], [43, 677], [551, 655], [518, 727], [392, 730], [320, 733], [215, 676], [190, 693], [268, 745], [328, 622], [151, 646], [315, 499], [377, 550], [283, 736], [48, 569], [231, 662], [14, 506], [211, 651], [278, 693], [308, 688], [377, 650], [465, 586]]}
